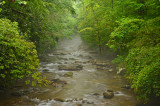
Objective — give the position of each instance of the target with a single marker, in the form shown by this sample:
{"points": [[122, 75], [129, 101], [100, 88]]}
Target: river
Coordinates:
{"points": [[92, 76]]}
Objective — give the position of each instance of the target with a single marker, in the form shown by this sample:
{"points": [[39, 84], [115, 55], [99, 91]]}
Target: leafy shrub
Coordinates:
{"points": [[143, 61], [143, 66], [18, 57], [139, 47], [121, 37]]}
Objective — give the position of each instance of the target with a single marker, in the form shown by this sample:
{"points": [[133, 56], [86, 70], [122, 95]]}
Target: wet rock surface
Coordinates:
{"points": [[126, 86], [60, 99], [70, 67], [68, 74], [108, 95], [45, 70], [57, 82], [121, 71]]}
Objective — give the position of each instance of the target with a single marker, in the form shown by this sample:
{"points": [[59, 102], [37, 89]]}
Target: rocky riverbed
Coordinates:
{"points": [[79, 77]]}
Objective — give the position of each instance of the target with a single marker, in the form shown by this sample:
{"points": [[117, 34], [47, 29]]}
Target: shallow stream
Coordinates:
{"points": [[92, 76]]}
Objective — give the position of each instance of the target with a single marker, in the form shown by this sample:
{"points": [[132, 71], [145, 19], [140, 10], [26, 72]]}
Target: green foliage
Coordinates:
{"points": [[121, 37], [131, 28], [119, 60], [18, 57], [43, 21], [143, 66], [96, 25]]}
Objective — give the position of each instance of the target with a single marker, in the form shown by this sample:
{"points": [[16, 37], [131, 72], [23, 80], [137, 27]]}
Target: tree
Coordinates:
{"points": [[18, 57]]}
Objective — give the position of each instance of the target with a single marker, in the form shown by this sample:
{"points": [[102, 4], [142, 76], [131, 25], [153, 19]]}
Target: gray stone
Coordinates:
{"points": [[126, 86], [121, 71], [58, 83], [108, 95], [102, 64], [70, 67], [110, 90], [96, 94], [110, 70], [79, 104], [17, 94], [59, 99], [78, 62], [45, 70], [68, 74]]}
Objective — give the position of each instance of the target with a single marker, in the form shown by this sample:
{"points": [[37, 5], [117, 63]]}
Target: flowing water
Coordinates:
{"points": [[92, 76]]}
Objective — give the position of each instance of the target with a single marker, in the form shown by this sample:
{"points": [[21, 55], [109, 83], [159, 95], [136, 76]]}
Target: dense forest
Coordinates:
{"points": [[131, 28]]}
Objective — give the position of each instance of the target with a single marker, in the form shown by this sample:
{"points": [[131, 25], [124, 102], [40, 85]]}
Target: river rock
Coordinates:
{"points": [[126, 86], [108, 95], [69, 100], [45, 70], [121, 71], [84, 62], [93, 52], [68, 74], [79, 104], [100, 68], [72, 59], [20, 93], [59, 53], [102, 64], [78, 62], [84, 101], [116, 92], [17, 94], [70, 67], [59, 99], [110, 90], [58, 83], [110, 70], [90, 102], [63, 53], [96, 94]]}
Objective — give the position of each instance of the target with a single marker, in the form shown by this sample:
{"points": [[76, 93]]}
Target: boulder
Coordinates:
{"points": [[58, 83], [17, 94], [69, 100], [59, 99], [68, 74], [72, 59], [45, 70], [108, 95], [79, 104], [99, 68], [78, 62], [90, 102], [70, 67], [96, 94], [110, 90], [126, 86], [20, 93], [121, 71], [110, 70], [84, 101], [102, 64]]}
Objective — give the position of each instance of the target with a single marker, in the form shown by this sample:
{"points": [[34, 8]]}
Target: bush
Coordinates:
{"points": [[139, 46], [18, 57], [143, 66], [122, 36]]}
